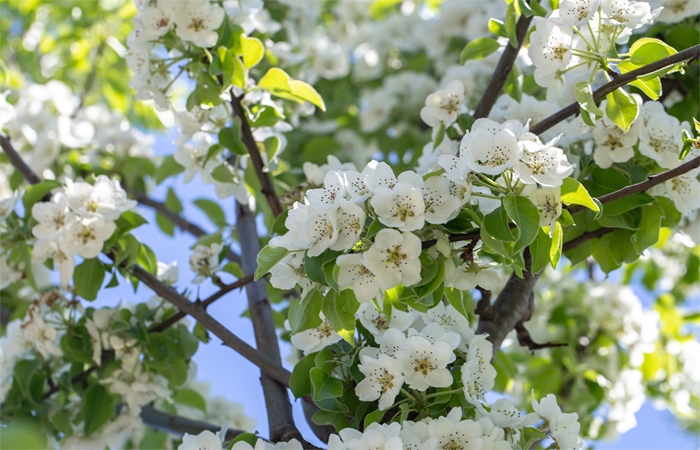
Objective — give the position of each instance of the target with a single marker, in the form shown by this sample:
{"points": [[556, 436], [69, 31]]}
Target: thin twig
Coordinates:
{"points": [[17, 161], [505, 65], [645, 185], [689, 55], [600, 232], [525, 340], [225, 289], [177, 425], [268, 189]]}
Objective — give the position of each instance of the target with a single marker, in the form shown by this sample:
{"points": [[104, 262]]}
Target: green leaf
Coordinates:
{"points": [[497, 224], [250, 438], [300, 381], [266, 116], [324, 385], [338, 420], [267, 258], [234, 269], [540, 251], [224, 173], [557, 243], [648, 50], [304, 313], [36, 192], [153, 439], [240, 74], [168, 167], [649, 228], [166, 225], [497, 27], [98, 408], [213, 211], [622, 109], [306, 92], [201, 333], [191, 398], [573, 193], [526, 217], [584, 96], [511, 19], [479, 49], [313, 265], [514, 84], [231, 138], [530, 435], [538, 9], [340, 308], [374, 417], [88, 277], [253, 51], [275, 79], [604, 256], [651, 86]]}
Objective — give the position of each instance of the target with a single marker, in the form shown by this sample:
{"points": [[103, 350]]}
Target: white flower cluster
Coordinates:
{"points": [[333, 217], [205, 261], [194, 22], [76, 222], [43, 119], [565, 45]]}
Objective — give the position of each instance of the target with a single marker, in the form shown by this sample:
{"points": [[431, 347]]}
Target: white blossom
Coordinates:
{"points": [[204, 261], [424, 363], [354, 274], [444, 105], [315, 339], [383, 381], [197, 22], [393, 258]]}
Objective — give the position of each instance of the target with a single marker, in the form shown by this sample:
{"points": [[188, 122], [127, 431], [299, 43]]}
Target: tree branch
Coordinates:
{"points": [[268, 189], [650, 182], [689, 55], [600, 232], [505, 65], [514, 305], [177, 425], [279, 409], [17, 161], [182, 223], [267, 365]]}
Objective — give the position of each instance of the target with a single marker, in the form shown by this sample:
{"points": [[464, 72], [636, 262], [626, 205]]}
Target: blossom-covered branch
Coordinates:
{"points": [[689, 54], [275, 370], [643, 186]]}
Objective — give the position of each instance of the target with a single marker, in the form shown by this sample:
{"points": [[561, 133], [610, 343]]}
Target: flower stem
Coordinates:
{"points": [[437, 394]]}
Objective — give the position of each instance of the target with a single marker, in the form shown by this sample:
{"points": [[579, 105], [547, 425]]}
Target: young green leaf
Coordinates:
{"points": [[98, 408], [622, 109], [253, 51], [267, 258], [304, 312], [573, 193], [526, 217], [584, 96], [88, 278], [479, 49]]}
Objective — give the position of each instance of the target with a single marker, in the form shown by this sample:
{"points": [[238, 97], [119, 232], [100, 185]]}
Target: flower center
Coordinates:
{"points": [[394, 256], [423, 365], [450, 103], [613, 142], [385, 380], [452, 445], [381, 322], [325, 329], [196, 25]]}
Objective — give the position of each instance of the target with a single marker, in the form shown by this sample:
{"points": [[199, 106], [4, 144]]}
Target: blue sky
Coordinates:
{"points": [[237, 379]]}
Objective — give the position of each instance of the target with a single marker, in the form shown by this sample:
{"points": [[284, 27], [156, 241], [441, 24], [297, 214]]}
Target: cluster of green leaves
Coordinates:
{"points": [[85, 399]]}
